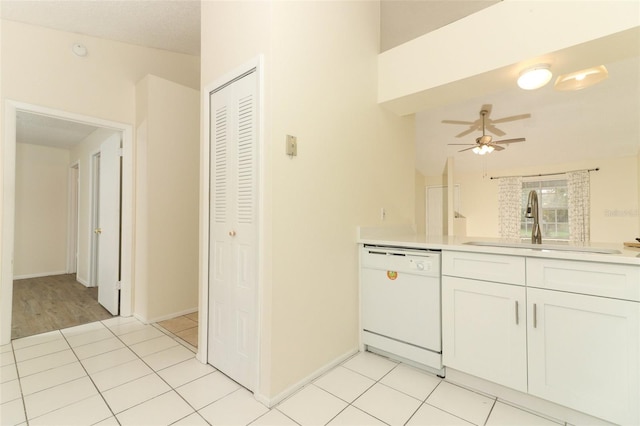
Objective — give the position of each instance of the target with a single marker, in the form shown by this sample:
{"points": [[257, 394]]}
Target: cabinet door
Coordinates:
{"points": [[484, 331], [583, 353]]}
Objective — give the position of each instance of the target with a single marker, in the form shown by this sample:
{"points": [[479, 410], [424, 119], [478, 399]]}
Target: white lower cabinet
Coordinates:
{"points": [[485, 330], [577, 350], [583, 353]]}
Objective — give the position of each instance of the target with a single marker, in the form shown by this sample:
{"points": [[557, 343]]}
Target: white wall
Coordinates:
{"points": [[168, 119], [81, 154], [41, 211], [353, 159], [614, 197]]}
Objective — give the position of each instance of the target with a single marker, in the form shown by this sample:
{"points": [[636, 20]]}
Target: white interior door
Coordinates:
{"points": [[108, 230], [232, 339]]}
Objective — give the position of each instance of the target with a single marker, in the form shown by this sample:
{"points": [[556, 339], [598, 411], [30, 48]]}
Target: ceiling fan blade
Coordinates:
{"points": [[467, 123], [510, 140], [462, 144], [497, 147], [466, 132], [493, 129], [511, 118], [466, 149]]}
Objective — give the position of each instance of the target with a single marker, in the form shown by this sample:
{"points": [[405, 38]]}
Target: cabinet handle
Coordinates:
{"points": [[517, 315], [535, 316]]}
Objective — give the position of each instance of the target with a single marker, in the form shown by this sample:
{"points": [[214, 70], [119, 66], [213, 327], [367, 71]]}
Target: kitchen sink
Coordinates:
{"points": [[550, 247]]}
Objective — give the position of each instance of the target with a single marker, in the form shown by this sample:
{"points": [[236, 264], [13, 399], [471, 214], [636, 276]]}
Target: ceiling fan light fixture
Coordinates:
{"points": [[482, 149], [534, 77], [580, 79]]}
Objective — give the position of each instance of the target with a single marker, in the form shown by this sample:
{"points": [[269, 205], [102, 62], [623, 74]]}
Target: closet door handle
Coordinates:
{"points": [[535, 316], [232, 233], [517, 314]]}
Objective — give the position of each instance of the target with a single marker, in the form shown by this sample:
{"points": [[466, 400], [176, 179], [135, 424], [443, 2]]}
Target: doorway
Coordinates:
{"points": [[12, 111]]}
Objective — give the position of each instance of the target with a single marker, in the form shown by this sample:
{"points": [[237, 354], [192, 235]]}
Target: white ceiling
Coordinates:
{"points": [[597, 122], [38, 129]]}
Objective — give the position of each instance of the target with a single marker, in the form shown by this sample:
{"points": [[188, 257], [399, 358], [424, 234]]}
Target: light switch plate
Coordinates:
{"points": [[292, 145]]}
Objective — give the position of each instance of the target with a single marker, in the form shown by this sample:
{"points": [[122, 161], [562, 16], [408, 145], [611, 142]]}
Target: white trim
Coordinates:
{"points": [[38, 275], [72, 218], [82, 281], [8, 205], [539, 406], [94, 187], [170, 316], [203, 333], [270, 402]]}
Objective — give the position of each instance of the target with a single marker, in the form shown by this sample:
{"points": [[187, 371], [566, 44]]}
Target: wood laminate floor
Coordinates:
{"points": [[51, 303]]}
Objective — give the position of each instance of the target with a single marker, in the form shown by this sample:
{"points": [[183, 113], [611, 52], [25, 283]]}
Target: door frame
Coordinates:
{"points": [[94, 208], [205, 169], [73, 217], [8, 174]]}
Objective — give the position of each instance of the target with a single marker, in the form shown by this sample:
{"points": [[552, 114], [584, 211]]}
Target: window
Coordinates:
{"points": [[554, 209]]}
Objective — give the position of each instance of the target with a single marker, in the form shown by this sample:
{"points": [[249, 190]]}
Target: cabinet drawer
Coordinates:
{"points": [[486, 267], [598, 279]]}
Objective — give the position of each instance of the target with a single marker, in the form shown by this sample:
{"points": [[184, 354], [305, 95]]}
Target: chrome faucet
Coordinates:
{"points": [[532, 212]]}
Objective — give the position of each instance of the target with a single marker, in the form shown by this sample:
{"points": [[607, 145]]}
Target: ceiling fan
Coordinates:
{"points": [[485, 143]]}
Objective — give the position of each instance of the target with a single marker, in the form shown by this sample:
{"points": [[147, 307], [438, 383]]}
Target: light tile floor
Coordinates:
{"points": [[122, 372], [185, 327]]}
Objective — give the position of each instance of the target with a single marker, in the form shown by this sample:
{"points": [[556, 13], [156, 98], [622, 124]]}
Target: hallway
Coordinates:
{"points": [[50, 303]]}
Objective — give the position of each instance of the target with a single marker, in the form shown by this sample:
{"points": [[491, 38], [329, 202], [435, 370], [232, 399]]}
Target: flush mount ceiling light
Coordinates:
{"points": [[580, 79], [80, 50], [534, 77]]}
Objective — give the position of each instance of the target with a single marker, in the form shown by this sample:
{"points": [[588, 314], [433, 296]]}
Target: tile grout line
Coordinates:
{"points": [[91, 378], [15, 365]]}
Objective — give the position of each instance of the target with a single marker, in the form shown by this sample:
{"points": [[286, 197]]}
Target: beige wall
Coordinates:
{"points": [[353, 159], [614, 197], [41, 211], [167, 200], [39, 68], [81, 154], [421, 203]]}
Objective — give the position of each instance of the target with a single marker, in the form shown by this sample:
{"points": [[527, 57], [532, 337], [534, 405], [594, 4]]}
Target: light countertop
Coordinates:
{"points": [[405, 237]]}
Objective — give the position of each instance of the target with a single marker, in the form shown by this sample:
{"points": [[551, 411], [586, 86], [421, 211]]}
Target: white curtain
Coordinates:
{"points": [[509, 206], [579, 202]]}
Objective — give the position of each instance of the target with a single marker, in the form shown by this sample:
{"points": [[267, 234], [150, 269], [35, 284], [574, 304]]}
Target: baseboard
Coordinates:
{"points": [[169, 316], [38, 275], [140, 318], [82, 281], [551, 410], [270, 402]]}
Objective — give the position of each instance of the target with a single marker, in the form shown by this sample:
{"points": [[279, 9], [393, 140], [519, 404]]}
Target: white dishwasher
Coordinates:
{"points": [[400, 304]]}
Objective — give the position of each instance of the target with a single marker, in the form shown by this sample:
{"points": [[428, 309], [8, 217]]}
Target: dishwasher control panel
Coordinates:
{"points": [[421, 262]]}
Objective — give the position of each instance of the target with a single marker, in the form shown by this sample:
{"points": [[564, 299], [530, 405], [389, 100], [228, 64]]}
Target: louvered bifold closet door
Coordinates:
{"points": [[233, 230]]}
